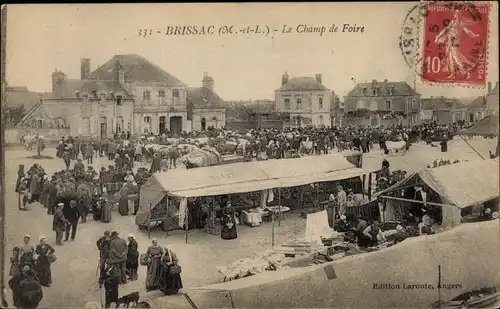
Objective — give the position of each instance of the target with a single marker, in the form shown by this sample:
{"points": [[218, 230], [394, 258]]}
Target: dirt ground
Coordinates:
{"points": [[75, 272]]}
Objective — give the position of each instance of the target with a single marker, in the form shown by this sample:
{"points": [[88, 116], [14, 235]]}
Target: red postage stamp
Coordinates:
{"points": [[455, 43]]}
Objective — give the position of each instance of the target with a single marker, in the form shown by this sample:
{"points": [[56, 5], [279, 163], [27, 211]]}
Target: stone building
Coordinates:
{"points": [[306, 99], [442, 110], [492, 98], [384, 97], [127, 93], [205, 108], [86, 107]]}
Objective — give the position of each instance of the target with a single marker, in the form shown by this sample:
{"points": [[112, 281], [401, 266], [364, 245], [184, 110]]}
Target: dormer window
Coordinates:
{"points": [[94, 93], [374, 91], [103, 96], [77, 94], [391, 90]]}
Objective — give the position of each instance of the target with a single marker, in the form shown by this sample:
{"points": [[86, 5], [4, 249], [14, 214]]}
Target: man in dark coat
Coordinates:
{"points": [[59, 223], [118, 254], [27, 290], [111, 279], [103, 245], [52, 197], [72, 214], [156, 164]]}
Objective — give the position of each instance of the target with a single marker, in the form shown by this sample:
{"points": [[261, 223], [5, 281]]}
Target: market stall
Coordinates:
{"points": [[447, 189], [241, 178]]}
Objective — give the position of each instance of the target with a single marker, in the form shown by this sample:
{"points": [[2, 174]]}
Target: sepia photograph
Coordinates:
{"points": [[250, 155]]}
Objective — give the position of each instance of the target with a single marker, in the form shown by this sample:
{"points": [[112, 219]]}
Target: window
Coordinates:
{"points": [[146, 95], [299, 103], [161, 93], [214, 122], [147, 125], [119, 100], [119, 124], [321, 120], [374, 91], [175, 93], [320, 103], [287, 103], [85, 125], [39, 123], [391, 90], [388, 105]]}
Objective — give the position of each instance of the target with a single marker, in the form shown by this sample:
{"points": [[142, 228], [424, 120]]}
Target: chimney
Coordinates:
{"points": [[59, 84], [319, 78], [84, 68], [119, 70], [284, 78], [489, 87], [207, 82]]}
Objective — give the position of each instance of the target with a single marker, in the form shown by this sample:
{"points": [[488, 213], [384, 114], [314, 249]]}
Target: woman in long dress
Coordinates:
{"points": [[43, 250], [228, 230], [172, 282], [132, 263], [154, 275], [20, 176], [105, 210]]}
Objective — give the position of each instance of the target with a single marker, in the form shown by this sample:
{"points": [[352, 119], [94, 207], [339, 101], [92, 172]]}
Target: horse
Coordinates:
{"points": [[306, 147]]}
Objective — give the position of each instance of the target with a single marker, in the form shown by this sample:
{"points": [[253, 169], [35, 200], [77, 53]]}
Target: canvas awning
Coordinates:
{"points": [[246, 177], [461, 184]]}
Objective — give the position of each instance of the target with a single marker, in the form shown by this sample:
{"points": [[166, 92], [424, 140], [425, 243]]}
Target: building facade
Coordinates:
{"points": [[126, 94], [306, 99], [492, 99], [206, 108], [385, 97], [442, 110]]}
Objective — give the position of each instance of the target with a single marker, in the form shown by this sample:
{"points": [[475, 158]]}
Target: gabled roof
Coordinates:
{"points": [[302, 83], [479, 102], [399, 89], [441, 103], [136, 69], [23, 97], [204, 98]]}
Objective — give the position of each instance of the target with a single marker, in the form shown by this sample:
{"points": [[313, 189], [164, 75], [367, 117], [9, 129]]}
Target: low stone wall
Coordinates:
{"points": [[13, 135]]}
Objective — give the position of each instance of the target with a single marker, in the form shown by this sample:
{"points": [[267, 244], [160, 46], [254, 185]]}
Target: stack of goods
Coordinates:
{"points": [[253, 217], [299, 247], [268, 261]]}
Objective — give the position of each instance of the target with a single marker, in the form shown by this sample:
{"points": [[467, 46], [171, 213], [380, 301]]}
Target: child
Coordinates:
{"points": [[14, 262], [25, 194]]}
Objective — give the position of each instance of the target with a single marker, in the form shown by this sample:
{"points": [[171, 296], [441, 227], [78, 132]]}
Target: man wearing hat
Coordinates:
{"points": [[59, 223], [118, 254], [103, 245]]}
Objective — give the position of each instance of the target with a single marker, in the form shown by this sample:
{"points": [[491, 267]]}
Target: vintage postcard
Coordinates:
{"points": [[250, 155]]}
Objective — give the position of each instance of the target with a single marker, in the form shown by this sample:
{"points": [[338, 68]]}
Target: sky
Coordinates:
{"points": [[43, 37]]}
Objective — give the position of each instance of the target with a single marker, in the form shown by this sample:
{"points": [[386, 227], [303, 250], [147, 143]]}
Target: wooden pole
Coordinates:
{"points": [[414, 201], [149, 219], [19, 201], [439, 286], [272, 235], [168, 218], [279, 207], [187, 222], [370, 179], [471, 147]]}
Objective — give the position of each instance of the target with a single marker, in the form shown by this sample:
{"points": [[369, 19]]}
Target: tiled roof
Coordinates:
{"points": [[441, 103], [26, 98], [136, 68], [478, 102], [302, 83], [203, 97], [399, 89], [88, 86]]}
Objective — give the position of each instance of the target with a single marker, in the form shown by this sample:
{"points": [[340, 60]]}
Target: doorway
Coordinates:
{"points": [[103, 127], [471, 117], [162, 126], [203, 124], [176, 125]]}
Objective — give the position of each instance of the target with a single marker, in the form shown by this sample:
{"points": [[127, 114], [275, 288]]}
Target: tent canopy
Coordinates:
{"points": [[246, 177], [461, 184], [487, 126]]}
